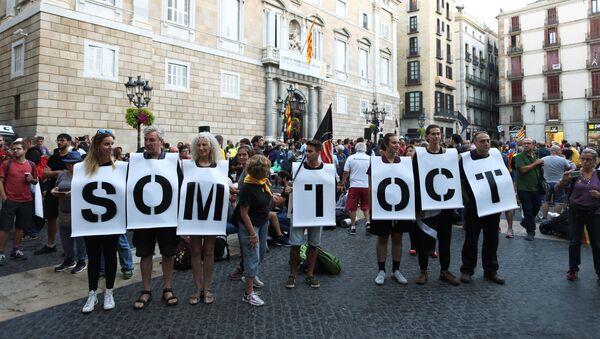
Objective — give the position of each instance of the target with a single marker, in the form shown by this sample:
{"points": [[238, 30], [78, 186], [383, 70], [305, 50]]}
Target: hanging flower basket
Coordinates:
{"points": [[136, 117]]}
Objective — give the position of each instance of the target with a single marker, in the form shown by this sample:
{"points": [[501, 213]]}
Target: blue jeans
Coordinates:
{"points": [[230, 229], [530, 203], [125, 257], [252, 257], [74, 247]]}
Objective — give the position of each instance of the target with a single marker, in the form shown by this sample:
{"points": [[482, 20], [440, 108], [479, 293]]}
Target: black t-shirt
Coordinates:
{"points": [[34, 154], [258, 201], [55, 162]]}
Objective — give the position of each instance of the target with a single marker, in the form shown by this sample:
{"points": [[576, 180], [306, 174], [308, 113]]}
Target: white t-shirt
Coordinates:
{"points": [[357, 166]]}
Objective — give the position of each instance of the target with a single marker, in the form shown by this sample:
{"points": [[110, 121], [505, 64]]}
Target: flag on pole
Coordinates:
{"points": [[325, 135], [463, 122], [309, 43], [288, 119], [521, 133]]}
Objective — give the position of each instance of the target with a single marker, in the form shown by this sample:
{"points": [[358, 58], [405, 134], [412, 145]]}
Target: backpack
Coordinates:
{"points": [[183, 255], [221, 248], [326, 262]]}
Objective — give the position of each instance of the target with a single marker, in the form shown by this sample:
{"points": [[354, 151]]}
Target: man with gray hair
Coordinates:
{"points": [[528, 167], [145, 239], [356, 168], [554, 167]]}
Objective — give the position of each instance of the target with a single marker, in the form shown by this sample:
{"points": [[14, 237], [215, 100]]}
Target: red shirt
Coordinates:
{"points": [[15, 186]]}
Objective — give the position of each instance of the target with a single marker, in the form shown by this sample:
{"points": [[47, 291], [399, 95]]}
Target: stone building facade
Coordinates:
{"points": [[427, 45], [550, 70], [227, 64], [476, 75]]}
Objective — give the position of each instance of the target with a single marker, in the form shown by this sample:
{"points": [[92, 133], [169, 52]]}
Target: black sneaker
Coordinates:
{"points": [[81, 265], [66, 265], [368, 228], [2, 259], [352, 230], [18, 255], [283, 241], [29, 237], [45, 250]]}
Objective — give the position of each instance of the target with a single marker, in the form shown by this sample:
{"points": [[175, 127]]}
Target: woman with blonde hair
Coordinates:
{"points": [[100, 154], [206, 152]]}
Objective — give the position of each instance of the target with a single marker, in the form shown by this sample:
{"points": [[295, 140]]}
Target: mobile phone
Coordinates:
{"points": [[575, 174]]}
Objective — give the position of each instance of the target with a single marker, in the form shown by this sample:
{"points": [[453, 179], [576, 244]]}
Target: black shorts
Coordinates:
{"points": [[145, 240], [50, 206], [22, 211], [383, 228]]}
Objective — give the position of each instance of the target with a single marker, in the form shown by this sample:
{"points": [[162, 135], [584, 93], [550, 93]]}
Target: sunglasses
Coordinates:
{"points": [[105, 131]]}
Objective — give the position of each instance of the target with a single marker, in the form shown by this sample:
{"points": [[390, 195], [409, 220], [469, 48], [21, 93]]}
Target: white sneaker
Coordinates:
{"points": [[253, 299], [109, 301], [380, 278], [257, 282], [399, 277], [91, 302]]}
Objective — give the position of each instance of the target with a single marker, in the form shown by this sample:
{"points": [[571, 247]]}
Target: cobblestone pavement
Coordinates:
{"points": [[537, 301]]}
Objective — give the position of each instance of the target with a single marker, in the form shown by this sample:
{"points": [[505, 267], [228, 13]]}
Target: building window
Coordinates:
{"points": [[363, 63], [177, 75], [449, 103], [273, 24], [413, 71], [413, 46], [365, 20], [342, 104], [438, 49], [385, 70], [364, 106], [553, 112], [385, 28], [448, 53], [595, 109], [413, 25], [317, 44], [440, 69], [17, 107], [340, 8], [439, 98], [100, 61], [341, 58], [178, 12], [413, 5], [414, 102], [448, 33], [17, 60], [230, 19], [449, 72], [595, 6], [230, 85], [388, 110]]}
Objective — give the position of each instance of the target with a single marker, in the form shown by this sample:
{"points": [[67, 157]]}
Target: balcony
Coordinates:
{"points": [[551, 21], [438, 32], [438, 11], [552, 69], [411, 114], [514, 28], [475, 61], [270, 55], [594, 116], [512, 100], [438, 55], [449, 59], [513, 50], [441, 81], [448, 36], [482, 63], [495, 50], [552, 44], [553, 117], [592, 93], [552, 97], [413, 52], [475, 80], [413, 81], [478, 103], [593, 64], [518, 74], [591, 37], [445, 116], [468, 57], [516, 118]]}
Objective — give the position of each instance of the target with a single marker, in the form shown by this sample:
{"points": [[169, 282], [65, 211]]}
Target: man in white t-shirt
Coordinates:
{"points": [[554, 167], [356, 168]]}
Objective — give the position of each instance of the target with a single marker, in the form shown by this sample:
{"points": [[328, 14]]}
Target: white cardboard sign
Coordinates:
{"points": [[439, 179], [393, 190], [313, 204]]}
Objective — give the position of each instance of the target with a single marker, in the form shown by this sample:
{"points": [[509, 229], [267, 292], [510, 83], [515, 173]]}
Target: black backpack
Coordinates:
{"points": [[221, 248]]}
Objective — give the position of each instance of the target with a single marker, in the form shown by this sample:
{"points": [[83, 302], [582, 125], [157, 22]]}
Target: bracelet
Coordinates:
{"points": [[252, 236]]}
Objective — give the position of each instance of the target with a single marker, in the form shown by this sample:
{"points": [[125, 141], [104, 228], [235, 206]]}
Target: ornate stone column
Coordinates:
{"points": [[312, 109]]}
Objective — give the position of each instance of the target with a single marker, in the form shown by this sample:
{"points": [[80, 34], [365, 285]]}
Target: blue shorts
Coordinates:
{"points": [[297, 236], [554, 196]]}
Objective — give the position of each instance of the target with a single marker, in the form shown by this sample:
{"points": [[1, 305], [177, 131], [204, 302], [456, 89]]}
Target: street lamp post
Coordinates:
{"points": [[295, 104], [138, 93], [375, 117], [421, 122]]}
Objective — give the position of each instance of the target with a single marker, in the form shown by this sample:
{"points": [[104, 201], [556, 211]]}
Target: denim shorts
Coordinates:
{"points": [[557, 197], [297, 236], [252, 257]]}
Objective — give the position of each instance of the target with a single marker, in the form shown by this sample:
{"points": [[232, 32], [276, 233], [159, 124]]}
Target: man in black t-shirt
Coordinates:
{"points": [[475, 224], [54, 167]]}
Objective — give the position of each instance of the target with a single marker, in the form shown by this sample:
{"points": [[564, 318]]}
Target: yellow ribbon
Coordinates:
{"points": [[261, 182]]}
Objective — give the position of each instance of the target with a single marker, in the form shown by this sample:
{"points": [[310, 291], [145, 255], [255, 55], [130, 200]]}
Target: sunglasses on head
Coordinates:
{"points": [[105, 131]]}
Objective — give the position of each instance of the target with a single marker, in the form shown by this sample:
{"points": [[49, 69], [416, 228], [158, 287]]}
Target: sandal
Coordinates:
{"points": [[209, 298], [195, 298], [510, 235], [169, 301], [142, 301]]}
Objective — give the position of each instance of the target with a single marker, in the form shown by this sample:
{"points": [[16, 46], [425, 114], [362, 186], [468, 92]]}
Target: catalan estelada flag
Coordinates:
{"points": [[521, 133], [288, 119], [325, 135], [309, 43]]}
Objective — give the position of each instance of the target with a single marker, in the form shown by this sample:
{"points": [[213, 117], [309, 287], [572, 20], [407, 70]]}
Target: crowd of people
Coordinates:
{"points": [[558, 175]]}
